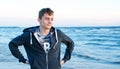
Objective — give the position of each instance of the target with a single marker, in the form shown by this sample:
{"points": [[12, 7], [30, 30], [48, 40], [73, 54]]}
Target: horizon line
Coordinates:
{"points": [[57, 26]]}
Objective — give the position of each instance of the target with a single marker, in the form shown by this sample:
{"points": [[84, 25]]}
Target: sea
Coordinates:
{"points": [[96, 47]]}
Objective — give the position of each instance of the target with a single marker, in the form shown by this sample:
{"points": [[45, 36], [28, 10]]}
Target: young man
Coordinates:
{"points": [[42, 44]]}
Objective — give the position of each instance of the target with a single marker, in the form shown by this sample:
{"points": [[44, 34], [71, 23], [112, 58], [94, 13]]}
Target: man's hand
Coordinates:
{"points": [[62, 62], [27, 62]]}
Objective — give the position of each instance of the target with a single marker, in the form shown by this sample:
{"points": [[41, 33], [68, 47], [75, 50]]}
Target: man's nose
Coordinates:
{"points": [[50, 21]]}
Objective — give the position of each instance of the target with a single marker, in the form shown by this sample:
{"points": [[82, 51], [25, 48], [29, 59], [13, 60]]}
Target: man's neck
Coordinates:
{"points": [[44, 31]]}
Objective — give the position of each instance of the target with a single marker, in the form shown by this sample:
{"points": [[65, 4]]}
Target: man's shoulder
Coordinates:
{"points": [[30, 29], [60, 32]]}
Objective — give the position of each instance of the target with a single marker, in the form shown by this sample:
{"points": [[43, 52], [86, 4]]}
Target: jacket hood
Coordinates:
{"points": [[33, 29], [30, 29]]}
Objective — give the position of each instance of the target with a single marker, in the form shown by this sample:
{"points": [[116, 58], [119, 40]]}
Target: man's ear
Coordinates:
{"points": [[39, 20]]}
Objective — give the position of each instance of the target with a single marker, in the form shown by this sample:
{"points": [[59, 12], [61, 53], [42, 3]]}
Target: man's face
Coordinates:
{"points": [[46, 21]]}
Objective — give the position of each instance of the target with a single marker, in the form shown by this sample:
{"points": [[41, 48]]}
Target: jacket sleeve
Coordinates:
{"points": [[13, 46], [70, 46]]}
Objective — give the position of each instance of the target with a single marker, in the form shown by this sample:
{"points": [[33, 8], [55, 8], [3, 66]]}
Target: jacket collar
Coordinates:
{"points": [[33, 29], [54, 35]]}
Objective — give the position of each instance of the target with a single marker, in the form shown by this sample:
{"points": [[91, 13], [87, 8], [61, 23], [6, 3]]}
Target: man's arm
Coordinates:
{"points": [[13, 46], [70, 46]]}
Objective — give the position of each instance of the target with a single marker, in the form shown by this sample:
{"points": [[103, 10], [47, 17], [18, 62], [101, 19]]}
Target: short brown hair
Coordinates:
{"points": [[45, 10]]}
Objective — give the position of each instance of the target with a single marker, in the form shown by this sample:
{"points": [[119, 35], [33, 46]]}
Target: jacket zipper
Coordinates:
{"points": [[47, 49], [47, 59]]}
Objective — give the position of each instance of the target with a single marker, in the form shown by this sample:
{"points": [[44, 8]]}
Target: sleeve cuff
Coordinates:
{"points": [[24, 60], [65, 60]]}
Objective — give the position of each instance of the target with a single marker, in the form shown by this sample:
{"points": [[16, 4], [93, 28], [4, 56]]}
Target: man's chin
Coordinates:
{"points": [[48, 27]]}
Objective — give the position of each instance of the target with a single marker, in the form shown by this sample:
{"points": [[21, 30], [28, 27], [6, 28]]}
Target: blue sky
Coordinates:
{"points": [[67, 12]]}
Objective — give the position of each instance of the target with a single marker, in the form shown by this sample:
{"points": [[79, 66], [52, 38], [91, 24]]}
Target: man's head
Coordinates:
{"points": [[46, 18]]}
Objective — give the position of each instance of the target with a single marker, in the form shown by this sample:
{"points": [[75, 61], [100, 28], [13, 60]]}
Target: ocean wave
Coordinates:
{"points": [[100, 44], [102, 35], [90, 58]]}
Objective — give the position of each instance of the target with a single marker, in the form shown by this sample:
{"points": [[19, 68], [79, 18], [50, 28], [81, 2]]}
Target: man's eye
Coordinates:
{"points": [[51, 19], [46, 18]]}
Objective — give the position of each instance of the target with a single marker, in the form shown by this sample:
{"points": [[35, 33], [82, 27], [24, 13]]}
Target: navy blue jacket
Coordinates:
{"points": [[35, 52]]}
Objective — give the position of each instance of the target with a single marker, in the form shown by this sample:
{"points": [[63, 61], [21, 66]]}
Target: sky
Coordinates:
{"points": [[67, 12]]}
